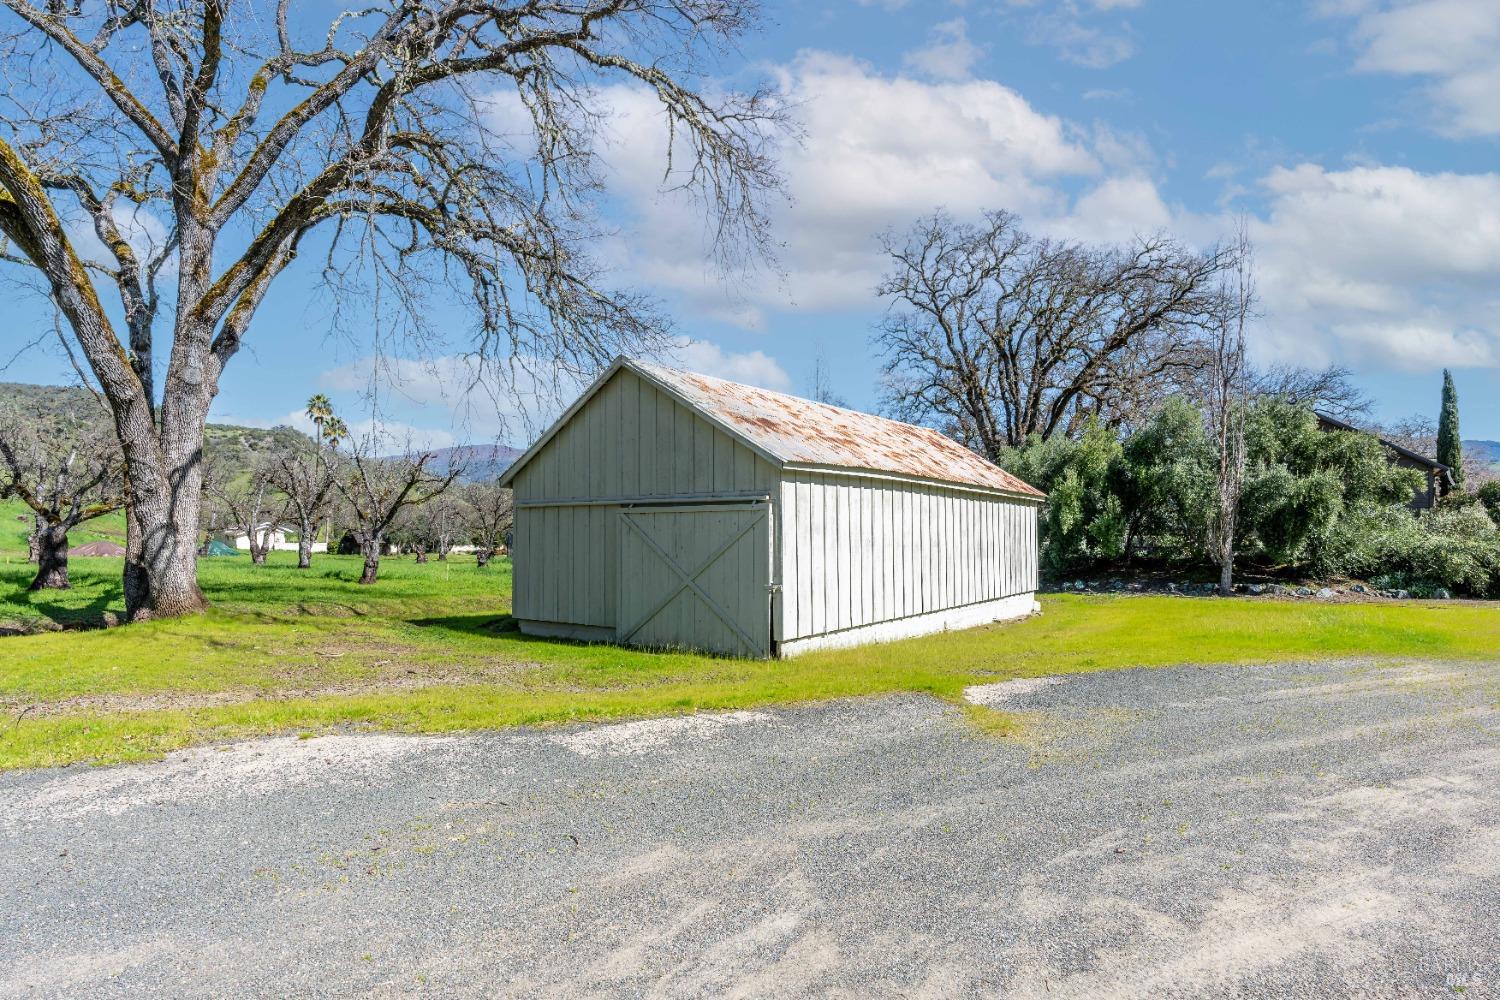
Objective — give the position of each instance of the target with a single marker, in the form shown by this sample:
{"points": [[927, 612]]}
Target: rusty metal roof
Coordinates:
{"points": [[801, 432]]}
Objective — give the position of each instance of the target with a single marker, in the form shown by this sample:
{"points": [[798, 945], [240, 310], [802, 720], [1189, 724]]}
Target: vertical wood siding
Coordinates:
{"points": [[629, 440], [858, 551]]}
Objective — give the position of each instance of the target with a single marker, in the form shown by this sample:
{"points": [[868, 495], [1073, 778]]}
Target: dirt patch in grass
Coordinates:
{"points": [[1023, 727]]}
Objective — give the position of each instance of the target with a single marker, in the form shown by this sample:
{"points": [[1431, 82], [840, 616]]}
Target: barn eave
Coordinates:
{"points": [[1034, 499]]}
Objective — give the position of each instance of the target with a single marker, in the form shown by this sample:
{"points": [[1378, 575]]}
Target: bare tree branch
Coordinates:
{"points": [[448, 148], [999, 336]]}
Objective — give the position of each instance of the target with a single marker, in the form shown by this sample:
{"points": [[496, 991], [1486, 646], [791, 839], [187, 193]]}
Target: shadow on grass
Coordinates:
{"points": [[485, 625], [69, 616]]}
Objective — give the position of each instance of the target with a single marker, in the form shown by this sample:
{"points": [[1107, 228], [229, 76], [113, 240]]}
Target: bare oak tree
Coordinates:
{"points": [[379, 490], [492, 512], [305, 478], [446, 146], [997, 336], [67, 469], [1328, 390], [247, 501]]}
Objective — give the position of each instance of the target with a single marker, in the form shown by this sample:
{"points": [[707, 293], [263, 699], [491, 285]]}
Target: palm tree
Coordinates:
{"points": [[334, 431], [319, 411], [330, 430]]}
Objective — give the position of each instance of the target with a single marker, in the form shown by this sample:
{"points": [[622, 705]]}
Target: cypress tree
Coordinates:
{"points": [[1450, 445]]}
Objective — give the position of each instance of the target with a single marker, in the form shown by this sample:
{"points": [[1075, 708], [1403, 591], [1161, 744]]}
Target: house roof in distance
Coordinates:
{"points": [[100, 548], [1415, 456], [793, 432]]}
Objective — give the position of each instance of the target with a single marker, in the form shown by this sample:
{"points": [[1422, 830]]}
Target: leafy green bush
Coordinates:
{"points": [[1317, 501], [1082, 522], [1489, 496], [1166, 479], [1302, 484], [1452, 548]]}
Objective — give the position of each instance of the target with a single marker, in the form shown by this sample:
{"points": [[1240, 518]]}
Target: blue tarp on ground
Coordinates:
{"points": [[218, 548]]}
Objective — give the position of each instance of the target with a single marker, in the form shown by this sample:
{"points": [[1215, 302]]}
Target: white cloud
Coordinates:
{"points": [[948, 54], [141, 228], [878, 151], [1117, 211], [1453, 44], [750, 368], [1075, 31], [442, 400], [392, 437], [1381, 265], [1368, 265]]}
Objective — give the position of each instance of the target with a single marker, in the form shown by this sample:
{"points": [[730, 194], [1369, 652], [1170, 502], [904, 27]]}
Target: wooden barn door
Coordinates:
{"points": [[696, 577]]}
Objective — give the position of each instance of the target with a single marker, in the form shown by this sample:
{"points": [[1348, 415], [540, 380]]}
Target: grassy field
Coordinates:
{"points": [[432, 649], [15, 528]]}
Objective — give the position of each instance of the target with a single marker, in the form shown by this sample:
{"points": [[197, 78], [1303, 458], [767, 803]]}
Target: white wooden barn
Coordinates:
{"points": [[671, 509]]}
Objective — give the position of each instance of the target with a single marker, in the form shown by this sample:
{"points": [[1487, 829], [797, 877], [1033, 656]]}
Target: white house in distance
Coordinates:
{"points": [[666, 509], [279, 536]]}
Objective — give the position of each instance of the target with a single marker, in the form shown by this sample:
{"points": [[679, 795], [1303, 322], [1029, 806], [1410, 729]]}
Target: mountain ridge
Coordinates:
{"points": [[480, 463]]}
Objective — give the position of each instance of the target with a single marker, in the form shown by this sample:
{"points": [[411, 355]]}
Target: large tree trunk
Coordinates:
{"points": [[1226, 577], [52, 559], [164, 489], [421, 553], [304, 544], [370, 548], [34, 540], [483, 555], [161, 565]]}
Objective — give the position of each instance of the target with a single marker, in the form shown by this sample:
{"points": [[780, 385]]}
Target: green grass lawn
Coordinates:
{"points": [[432, 649]]}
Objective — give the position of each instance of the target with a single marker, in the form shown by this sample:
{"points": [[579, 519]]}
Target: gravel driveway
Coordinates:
{"points": [[1300, 830]]}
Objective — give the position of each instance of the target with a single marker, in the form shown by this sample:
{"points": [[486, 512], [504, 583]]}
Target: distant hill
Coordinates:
{"points": [[481, 463], [1488, 451], [235, 445]]}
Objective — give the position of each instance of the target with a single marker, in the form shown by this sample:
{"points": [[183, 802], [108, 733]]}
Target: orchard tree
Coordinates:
{"points": [[305, 474], [246, 499], [67, 469], [444, 148], [379, 490], [447, 519], [492, 512]]}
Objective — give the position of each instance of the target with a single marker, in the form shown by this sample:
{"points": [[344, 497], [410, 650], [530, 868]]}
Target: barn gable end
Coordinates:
{"points": [[631, 439], [630, 442]]}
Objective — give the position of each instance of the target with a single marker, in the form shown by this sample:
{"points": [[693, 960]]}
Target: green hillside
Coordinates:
{"points": [[232, 444], [236, 446]]}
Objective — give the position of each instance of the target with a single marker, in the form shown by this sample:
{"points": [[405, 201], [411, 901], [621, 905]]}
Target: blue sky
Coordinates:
{"points": [[1359, 137]]}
